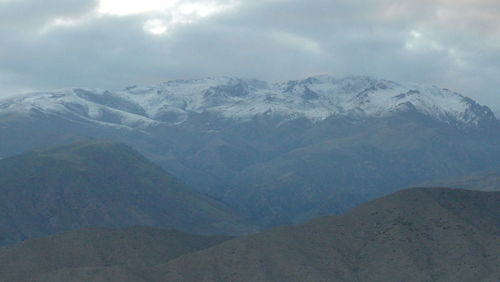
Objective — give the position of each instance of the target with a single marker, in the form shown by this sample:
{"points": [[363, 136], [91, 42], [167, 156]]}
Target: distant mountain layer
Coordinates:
{"points": [[431, 234], [279, 153], [100, 184], [87, 252]]}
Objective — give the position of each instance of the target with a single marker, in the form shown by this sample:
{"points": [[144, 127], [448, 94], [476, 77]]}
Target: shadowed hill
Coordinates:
{"points": [[414, 235], [88, 251], [100, 184], [422, 234]]}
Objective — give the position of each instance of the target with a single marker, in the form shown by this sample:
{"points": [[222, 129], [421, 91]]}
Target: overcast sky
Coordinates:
{"points": [[111, 44]]}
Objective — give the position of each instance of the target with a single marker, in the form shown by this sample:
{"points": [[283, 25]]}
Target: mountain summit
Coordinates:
{"points": [[315, 98]]}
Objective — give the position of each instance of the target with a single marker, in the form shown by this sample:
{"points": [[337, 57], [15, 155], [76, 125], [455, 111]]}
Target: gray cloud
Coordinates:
{"points": [[453, 44], [24, 15]]}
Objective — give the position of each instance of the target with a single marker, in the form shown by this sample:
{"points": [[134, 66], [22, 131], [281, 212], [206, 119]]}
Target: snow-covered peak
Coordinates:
{"points": [[315, 98], [92, 105]]}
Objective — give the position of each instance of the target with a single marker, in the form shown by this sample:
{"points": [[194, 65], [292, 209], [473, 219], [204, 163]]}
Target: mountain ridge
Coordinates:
{"points": [[314, 98]]}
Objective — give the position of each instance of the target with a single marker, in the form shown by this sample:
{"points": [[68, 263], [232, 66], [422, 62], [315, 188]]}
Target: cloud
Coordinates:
{"points": [[29, 15], [453, 44]]}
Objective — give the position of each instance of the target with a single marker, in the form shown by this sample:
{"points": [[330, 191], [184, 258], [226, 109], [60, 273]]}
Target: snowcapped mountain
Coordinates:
{"points": [[315, 98], [281, 152]]}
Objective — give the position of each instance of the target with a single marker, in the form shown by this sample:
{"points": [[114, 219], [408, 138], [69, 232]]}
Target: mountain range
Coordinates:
{"points": [[279, 153], [315, 98]]}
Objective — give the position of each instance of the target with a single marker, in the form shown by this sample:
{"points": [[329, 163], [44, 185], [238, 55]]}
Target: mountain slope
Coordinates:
{"points": [[93, 249], [281, 153], [417, 234], [359, 160], [100, 184]]}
